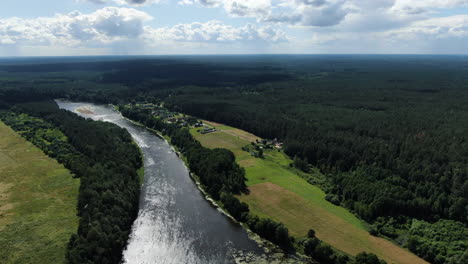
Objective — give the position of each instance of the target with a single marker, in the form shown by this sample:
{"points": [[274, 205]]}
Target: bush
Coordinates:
{"points": [[311, 233], [368, 258], [333, 198]]}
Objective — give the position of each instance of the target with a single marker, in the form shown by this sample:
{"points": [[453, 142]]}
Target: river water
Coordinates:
{"points": [[175, 224]]}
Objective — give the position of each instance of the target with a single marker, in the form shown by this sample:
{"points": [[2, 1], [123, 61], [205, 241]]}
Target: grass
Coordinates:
{"points": [[277, 191], [38, 199]]}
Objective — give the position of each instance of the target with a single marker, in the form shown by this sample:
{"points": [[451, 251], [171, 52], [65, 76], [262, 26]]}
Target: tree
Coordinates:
{"points": [[260, 153], [310, 245], [412, 243], [368, 258], [282, 237], [301, 164], [324, 254]]}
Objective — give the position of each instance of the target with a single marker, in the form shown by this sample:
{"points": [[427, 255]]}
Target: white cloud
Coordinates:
{"points": [[317, 26], [123, 2], [105, 25], [447, 35], [319, 13], [437, 28], [428, 4], [353, 15], [236, 8], [215, 31], [115, 27]]}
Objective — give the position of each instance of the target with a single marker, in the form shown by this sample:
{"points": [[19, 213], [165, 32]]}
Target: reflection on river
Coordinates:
{"points": [[175, 223]]}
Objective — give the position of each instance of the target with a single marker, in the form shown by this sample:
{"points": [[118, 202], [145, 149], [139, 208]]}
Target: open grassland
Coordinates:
{"points": [[37, 203], [278, 192]]}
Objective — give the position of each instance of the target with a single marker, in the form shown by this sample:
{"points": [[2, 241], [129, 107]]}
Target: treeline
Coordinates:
{"points": [[441, 242], [219, 173], [105, 159], [43, 135], [325, 254]]}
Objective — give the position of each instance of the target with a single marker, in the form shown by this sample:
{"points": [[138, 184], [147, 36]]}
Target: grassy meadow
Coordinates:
{"points": [[278, 192], [37, 203]]}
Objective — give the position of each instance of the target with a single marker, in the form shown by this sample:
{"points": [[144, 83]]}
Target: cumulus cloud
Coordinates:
{"points": [[436, 28], [332, 25], [319, 13], [429, 4], [123, 2], [103, 26], [236, 8], [117, 25], [433, 35], [359, 15], [215, 31]]}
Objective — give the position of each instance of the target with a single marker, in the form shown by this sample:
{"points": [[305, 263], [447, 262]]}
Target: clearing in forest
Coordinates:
{"points": [[278, 192], [38, 198]]}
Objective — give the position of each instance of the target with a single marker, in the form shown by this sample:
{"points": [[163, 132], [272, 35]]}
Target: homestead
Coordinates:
{"points": [[207, 130], [270, 143]]}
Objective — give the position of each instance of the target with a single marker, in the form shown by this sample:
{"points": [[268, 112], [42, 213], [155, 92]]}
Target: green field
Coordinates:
{"points": [[278, 192], [37, 203]]}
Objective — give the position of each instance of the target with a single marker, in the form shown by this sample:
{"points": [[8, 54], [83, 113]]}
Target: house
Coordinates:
{"points": [[206, 130], [146, 106], [171, 120]]}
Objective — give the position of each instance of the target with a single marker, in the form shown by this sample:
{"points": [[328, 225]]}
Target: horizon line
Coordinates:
{"points": [[237, 54]]}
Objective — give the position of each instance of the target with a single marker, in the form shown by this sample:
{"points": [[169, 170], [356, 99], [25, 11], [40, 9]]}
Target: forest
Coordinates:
{"points": [[105, 159], [389, 132]]}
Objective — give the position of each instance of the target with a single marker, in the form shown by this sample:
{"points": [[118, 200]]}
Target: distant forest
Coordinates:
{"points": [[389, 132]]}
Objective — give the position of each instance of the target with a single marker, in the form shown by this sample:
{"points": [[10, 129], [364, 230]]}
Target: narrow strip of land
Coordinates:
{"points": [[37, 203]]}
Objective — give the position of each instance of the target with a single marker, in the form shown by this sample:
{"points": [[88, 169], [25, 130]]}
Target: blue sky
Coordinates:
{"points": [[121, 27]]}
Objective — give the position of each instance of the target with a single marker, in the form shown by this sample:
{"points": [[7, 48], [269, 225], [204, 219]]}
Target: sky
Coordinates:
{"points": [[160, 27]]}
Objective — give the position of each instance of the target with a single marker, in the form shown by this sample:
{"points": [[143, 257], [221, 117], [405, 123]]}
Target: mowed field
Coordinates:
{"points": [[38, 199], [278, 192]]}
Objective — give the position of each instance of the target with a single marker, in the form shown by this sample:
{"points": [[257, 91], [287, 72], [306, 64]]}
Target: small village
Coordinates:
{"points": [[159, 111], [182, 120], [256, 148], [270, 143]]}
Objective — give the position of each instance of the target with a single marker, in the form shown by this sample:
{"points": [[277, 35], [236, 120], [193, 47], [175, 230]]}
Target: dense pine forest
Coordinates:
{"points": [[389, 132]]}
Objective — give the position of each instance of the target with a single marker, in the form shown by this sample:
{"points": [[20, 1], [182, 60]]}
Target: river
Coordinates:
{"points": [[175, 223]]}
